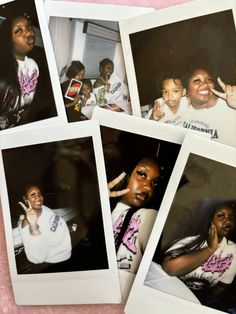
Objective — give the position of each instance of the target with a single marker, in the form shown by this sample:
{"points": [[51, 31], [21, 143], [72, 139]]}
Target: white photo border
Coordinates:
{"points": [[143, 297], [82, 287], [52, 69], [137, 125], [158, 18]]}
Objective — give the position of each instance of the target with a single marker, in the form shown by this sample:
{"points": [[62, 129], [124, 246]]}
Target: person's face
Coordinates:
{"points": [[199, 87], [108, 69], [80, 75], [224, 219], [86, 90], [23, 37], [172, 91], [34, 197], [142, 183]]}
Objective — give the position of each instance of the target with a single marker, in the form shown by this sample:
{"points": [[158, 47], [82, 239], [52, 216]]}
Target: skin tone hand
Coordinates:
{"points": [[157, 112], [31, 218], [229, 94], [212, 238], [113, 183], [74, 102]]}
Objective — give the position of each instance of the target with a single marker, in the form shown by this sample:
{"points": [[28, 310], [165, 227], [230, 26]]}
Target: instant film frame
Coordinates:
{"points": [[90, 33], [206, 161], [172, 40], [70, 170], [47, 105], [125, 143]]}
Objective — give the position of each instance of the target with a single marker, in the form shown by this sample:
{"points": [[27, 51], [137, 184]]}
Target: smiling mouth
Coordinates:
{"points": [[204, 92]]}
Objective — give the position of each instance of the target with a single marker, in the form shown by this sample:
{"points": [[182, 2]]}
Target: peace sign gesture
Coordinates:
{"points": [[229, 94], [113, 183], [31, 217]]}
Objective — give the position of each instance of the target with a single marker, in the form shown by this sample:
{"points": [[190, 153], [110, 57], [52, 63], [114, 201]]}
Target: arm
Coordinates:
{"points": [[74, 102], [184, 264]]}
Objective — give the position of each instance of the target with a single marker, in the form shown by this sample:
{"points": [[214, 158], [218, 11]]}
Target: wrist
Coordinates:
{"points": [[210, 249]]}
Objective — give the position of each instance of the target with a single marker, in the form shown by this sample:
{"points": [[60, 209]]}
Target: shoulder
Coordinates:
{"points": [[146, 216], [98, 83], [31, 62]]}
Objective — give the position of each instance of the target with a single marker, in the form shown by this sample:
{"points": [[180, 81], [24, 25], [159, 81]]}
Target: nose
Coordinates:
{"points": [[228, 221], [147, 187]]}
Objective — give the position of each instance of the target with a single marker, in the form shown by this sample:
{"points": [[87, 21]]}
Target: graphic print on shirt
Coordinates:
{"points": [[198, 125], [28, 82], [128, 241], [218, 264], [210, 272]]}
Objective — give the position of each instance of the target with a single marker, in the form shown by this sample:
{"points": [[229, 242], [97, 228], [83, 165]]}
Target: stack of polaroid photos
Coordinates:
{"points": [[118, 154]]}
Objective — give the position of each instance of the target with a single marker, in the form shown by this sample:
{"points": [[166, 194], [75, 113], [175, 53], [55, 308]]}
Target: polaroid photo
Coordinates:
{"points": [[92, 53], [30, 92], [56, 214], [180, 65], [139, 155], [189, 264]]}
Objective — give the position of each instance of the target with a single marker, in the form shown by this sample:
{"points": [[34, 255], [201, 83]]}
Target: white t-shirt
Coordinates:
{"points": [[170, 117], [52, 245], [220, 266], [28, 73], [115, 95], [135, 239], [219, 121]]}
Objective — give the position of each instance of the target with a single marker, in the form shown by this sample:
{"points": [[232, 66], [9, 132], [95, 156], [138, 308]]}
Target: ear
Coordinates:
{"points": [[184, 93]]}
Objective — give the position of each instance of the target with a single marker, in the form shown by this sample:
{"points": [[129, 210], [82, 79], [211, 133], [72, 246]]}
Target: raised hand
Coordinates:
{"points": [[113, 183], [157, 112], [229, 94], [31, 217], [212, 240]]}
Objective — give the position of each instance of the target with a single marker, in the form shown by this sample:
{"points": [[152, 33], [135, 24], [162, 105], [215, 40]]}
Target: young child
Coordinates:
{"points": [[20, 71], [173, 104], [87, 100], [132, 221]]}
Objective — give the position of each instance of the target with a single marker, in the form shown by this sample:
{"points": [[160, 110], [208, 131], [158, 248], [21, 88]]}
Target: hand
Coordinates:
{"points": [[114, 183], [157, 112], [30, 214], [229, 94], [212, 238]]}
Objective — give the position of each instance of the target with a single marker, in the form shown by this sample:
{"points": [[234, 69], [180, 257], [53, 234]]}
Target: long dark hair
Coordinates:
{"points": [[202, 221], [9, 104], [8, 63]]}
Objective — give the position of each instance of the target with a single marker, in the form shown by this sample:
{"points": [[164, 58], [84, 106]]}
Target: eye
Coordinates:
{"points": [[17, 30], [141, 173], [164, 92], [176, 91], [155, 183], [196, 80], [210, 80]]}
